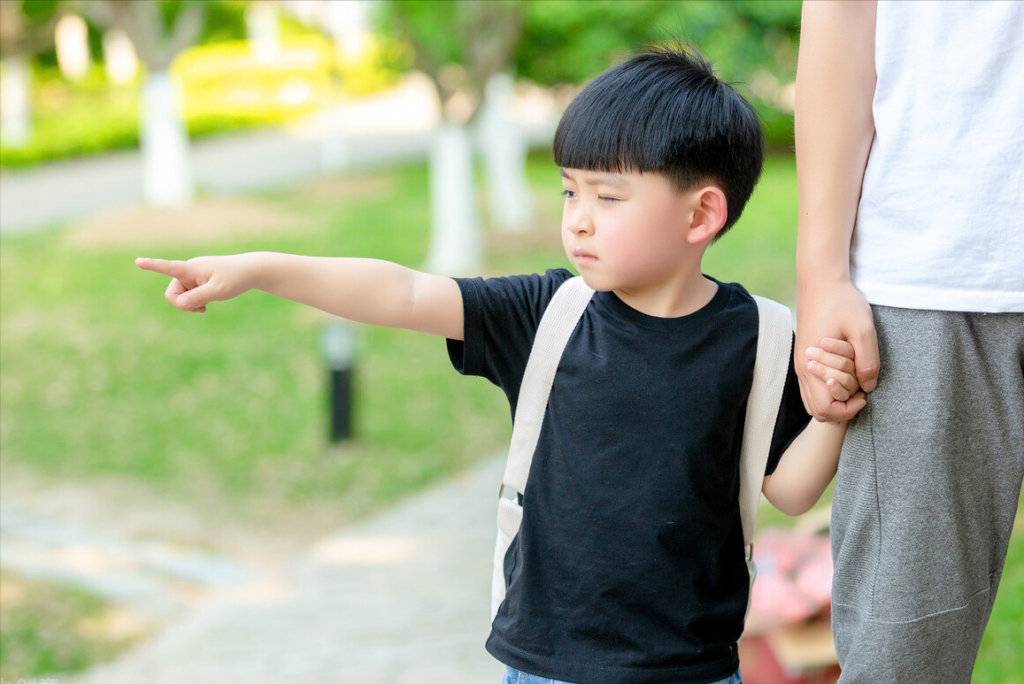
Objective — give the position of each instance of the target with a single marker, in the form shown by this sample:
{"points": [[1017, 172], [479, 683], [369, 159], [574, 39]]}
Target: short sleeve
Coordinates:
{"points": [[501, 316], [792, 419]]}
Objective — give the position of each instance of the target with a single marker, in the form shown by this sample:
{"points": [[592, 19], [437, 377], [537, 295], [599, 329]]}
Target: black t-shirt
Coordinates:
{"points": [[628, 567]]}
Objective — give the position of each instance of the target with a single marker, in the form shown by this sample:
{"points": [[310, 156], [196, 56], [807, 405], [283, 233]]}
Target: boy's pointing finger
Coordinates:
{"points": [[174, 269]]}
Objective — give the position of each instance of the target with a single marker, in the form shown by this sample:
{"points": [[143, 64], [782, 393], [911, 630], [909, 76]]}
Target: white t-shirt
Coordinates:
{"points": [[941, 219]]}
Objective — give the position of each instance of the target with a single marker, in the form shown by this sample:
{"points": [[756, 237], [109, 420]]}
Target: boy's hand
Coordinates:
{"points": [[833, 363], [199, 281]]}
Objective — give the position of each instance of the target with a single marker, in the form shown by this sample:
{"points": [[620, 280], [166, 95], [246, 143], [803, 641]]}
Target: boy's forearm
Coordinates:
{"points": [[362, 290], [806, 468], [835, 87], [367, 291]]}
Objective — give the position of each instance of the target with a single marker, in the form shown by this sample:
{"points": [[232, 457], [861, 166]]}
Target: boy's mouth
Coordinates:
{"points": [[583, 257]]}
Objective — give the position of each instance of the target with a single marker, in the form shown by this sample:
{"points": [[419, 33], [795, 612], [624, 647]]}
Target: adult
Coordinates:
{"points": [[910, 158]]}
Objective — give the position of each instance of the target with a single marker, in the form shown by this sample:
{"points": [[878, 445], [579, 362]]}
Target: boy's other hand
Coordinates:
{"points": [[833, 364], [196, 282]]}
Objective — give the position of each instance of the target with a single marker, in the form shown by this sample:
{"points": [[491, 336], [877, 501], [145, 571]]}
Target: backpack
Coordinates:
{"points": [[774, 343]]}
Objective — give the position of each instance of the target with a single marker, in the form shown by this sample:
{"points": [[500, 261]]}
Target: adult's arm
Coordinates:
{"points": [[835, 85]]}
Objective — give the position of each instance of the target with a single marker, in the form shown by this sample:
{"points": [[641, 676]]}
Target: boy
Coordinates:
{"points": [[628, 566]]}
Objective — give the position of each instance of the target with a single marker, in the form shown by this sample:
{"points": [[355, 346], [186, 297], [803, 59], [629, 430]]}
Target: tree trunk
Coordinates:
{"points": [[166, 171], [72, 39], [454, 238], [119, 58], [504, 153], [262, 31], [15, 94], [348, 25]]}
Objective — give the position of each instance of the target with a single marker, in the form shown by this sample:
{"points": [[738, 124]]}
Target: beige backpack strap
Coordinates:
{"points": [[556, 326], [774, 343]]}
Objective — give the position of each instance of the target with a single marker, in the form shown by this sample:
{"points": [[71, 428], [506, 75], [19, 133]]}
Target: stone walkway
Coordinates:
{"points": [[403, 597]]}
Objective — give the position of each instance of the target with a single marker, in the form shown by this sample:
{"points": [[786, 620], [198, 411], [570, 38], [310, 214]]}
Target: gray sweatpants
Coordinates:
{"points": [[928, 486]]}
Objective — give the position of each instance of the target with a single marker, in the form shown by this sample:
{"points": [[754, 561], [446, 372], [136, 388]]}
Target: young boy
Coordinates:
{"points": [[628, 566]]}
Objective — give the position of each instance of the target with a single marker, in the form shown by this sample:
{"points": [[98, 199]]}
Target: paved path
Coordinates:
{"points": [[401, 598], [153, 578]]}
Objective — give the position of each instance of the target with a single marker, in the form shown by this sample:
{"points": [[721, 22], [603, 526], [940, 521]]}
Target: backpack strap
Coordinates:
{"points": [[556, 326], [774, 344]]}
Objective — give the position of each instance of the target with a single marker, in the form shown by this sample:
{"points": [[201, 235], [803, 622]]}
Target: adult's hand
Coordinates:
{"points": [[834, 310]]}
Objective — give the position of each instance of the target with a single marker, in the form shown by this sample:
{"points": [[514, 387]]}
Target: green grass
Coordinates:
{"points": [[99, 376], [47, 629], [1000, 660]]}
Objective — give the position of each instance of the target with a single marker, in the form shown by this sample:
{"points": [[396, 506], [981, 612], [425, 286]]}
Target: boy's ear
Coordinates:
{"points": [[710, 212]]}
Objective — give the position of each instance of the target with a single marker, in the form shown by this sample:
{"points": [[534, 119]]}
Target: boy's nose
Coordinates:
{"points": [[580, 223]]}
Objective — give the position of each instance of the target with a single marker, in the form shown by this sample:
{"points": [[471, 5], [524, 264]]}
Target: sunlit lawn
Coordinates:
{"points": [[99, 376], [45, 629]]}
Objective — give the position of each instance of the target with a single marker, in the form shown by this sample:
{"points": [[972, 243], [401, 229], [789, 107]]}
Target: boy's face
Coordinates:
{"points": [[627, 231]]}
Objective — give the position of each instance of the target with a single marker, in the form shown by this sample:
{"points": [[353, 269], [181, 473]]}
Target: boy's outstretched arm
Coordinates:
{"points": [[810, 462], [363, 290]]}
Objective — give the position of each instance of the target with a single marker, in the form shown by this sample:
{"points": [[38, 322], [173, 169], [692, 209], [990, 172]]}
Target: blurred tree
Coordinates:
{"points": [[26, 29], [569, 42], [460, 46], [753, 44], [159, 31], [225, 20]]}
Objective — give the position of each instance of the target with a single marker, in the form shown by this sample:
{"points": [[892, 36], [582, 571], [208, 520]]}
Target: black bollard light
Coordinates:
{"points": [[339, 344]]}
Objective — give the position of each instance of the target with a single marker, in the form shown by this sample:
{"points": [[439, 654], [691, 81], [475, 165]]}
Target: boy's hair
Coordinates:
{"points": [[665, 111]]}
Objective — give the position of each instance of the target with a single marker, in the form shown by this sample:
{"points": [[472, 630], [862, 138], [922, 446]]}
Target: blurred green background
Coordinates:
{"points": [[100, 379]]}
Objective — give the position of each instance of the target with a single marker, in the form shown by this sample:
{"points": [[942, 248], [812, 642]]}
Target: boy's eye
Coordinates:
{"points": [[568, 193], [607, 199]]}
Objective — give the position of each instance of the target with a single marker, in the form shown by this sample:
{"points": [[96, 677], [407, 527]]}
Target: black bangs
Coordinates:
{"points": [[665, 111]]}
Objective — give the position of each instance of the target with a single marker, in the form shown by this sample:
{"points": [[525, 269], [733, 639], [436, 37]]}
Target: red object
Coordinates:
{"points": [[759, 666], [794, 577], [787, 640]]}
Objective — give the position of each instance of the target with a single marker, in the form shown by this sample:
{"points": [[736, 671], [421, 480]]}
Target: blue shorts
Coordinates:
{"points": [[514, 676]]}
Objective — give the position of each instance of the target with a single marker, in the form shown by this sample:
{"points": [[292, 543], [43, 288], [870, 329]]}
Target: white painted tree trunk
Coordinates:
{"points": [[72, 41], [455, 232], [263, 29], [166, 170], [504, 153], [15, 93], [348, 23], [119, 58]]}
